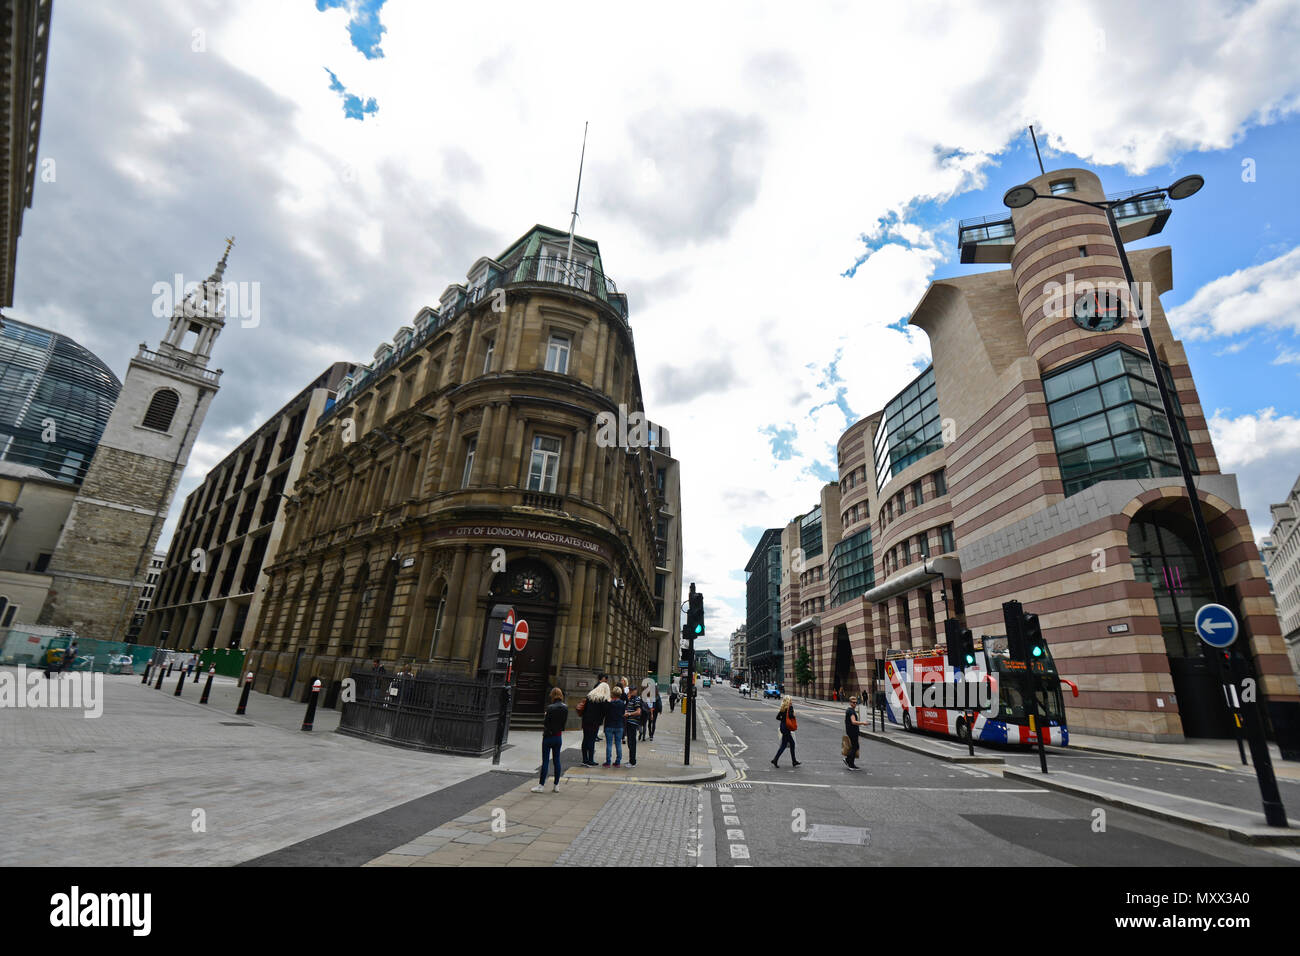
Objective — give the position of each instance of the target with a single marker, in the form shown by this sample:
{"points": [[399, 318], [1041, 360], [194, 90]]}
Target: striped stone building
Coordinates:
{"points": [[1032, 461]]}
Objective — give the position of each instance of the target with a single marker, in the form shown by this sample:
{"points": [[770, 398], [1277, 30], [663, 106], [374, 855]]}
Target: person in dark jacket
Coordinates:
{"points": [[557, 714], [614, 724], [655, 710], [851, 725], [594, 709], [633, 714], [784, 716]]}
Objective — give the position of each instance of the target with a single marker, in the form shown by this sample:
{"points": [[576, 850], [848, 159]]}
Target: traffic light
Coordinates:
{"points": [[1035, 646], [961, 644], [1013, 615], [695, 614]]}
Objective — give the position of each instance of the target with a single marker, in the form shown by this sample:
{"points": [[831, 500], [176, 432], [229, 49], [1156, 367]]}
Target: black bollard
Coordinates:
{"points": [[311, 706], [243, 698], [147, 668], [162, 672], [207, 688], [196, 672], [170, 664], [179, 684]]}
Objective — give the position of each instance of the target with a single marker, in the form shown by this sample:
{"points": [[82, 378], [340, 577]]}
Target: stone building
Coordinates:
{"points": [[231, 527], [495, 453], [738, 652], [102, 557], [1032, 461], [24, 46]]}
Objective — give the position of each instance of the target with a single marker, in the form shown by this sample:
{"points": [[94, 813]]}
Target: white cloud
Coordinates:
{"points": [[734, 166], [1263, 450], [1263, 295]]}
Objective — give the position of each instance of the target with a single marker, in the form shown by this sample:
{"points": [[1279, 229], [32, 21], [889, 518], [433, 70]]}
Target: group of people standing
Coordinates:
{"points": [[787, 723], [624, 715]]}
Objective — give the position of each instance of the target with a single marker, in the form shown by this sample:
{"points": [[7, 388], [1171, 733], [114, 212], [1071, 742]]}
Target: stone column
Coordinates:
{"points": [[451, 614], [468, 634], [577, 646]]}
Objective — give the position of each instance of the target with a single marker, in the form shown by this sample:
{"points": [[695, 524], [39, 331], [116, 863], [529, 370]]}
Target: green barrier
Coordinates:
{"points": [[228, 661]]}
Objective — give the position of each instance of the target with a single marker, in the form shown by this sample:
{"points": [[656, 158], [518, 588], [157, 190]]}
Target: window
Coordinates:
{"points": [[945, 539], [940, 483], [557, 355], [910, 429], [917, 498], [1062, 186], [487, 354], [545, 465], [923, 545], [471, 445], [161, 409]]}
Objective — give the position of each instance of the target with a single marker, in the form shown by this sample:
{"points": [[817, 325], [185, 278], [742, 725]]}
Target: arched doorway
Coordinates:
{"points": [[1165, 554], [530, 587]]}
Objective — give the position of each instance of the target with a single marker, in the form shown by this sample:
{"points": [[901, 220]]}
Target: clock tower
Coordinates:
{"points": [[102, 557]]}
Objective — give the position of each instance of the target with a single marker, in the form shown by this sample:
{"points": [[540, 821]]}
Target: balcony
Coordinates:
{"points": [[180, 365], [992, 239]]}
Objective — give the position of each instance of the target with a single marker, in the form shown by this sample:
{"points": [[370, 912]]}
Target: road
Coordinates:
{"points": [[906, 808]]}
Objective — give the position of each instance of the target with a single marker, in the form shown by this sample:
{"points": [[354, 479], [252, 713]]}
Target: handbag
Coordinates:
{"points": [[846, 746], [791, 724]]}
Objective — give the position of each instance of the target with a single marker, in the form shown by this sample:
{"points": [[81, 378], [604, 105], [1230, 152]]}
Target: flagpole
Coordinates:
{"points": [[573, 221]]}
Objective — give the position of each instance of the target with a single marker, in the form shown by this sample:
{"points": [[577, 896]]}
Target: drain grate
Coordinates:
{"points": [[234, 723], [850, 836]]}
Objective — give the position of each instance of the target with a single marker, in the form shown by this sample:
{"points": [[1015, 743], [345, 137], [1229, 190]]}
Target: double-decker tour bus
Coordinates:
{"points": [[1006, 718]]}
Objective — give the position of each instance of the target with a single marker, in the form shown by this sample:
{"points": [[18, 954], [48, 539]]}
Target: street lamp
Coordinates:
{"points": [[1017, 198]]}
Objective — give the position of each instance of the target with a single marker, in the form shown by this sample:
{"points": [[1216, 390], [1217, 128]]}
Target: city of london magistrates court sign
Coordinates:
{"points": [[524, 536]]}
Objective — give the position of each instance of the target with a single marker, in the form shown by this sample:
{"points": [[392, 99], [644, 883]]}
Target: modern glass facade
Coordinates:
{"points": [[810, 533], [55, 399], [1108, 423], [851, 567], [909, 430], [763, 606]]}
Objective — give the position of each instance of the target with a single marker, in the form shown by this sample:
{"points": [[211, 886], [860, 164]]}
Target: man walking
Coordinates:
{"points": [[851, 725]]}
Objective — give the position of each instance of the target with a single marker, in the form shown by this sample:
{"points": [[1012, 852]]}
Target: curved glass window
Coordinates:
{"points": [[910, 428]]}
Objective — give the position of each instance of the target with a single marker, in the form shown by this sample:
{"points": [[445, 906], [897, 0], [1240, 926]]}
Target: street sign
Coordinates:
{"points": [[507, 628], [1216, 625], [521, 634]]}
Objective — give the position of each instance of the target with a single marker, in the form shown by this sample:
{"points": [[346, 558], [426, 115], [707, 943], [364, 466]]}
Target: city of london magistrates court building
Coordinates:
{"points": [[466, 468], [1032, 461]]}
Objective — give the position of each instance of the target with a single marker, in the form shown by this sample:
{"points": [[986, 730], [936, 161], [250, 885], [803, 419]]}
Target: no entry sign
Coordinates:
{"points": [[521, 634]]}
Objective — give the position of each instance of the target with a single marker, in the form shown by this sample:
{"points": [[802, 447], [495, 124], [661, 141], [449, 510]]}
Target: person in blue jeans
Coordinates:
{"points": [[614, 724], [557, 714]]}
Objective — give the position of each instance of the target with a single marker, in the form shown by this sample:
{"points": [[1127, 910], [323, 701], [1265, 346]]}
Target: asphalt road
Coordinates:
{"points": [[906, 808]]}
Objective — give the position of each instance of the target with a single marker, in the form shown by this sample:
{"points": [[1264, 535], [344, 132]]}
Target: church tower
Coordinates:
{"points": [[102, 557]]}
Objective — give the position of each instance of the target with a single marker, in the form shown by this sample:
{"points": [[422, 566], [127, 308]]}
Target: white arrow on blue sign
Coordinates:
{"points": [[1216, 625]]}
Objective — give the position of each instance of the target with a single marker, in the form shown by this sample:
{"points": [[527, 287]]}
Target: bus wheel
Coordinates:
{"points": [[963, 731], [907, 720]]}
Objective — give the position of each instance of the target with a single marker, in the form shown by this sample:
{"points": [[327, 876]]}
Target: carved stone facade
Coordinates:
{"points": [[466, 468]]}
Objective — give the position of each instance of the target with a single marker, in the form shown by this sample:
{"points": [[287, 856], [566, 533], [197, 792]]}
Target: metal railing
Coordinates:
{"points": [[208, 375], [441, 712]]}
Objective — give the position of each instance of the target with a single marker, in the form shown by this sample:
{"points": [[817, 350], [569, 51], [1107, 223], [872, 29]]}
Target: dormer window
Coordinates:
{"points": [[382, 353], [555, 265]]}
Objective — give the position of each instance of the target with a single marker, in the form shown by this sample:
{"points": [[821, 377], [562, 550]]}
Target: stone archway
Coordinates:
{"points": [[531, 587]]}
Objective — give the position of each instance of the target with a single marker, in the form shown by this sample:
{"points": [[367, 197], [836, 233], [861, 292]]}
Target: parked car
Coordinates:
{"points": [[771, 691], [744, 690]]}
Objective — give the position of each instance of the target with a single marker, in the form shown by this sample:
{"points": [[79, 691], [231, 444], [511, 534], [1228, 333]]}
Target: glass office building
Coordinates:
{"points": [[55, 399]]}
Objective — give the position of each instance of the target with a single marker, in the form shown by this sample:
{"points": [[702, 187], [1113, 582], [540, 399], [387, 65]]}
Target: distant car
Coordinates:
{"points": [[707, 682], [744, 690], [771, 691]]}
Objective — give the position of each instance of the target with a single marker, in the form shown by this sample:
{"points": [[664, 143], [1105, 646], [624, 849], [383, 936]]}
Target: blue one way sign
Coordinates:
{"points": [[1216, 625]]}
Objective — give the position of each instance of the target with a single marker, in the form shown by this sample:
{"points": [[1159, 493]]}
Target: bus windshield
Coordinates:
{"points": [[1013, 692]]}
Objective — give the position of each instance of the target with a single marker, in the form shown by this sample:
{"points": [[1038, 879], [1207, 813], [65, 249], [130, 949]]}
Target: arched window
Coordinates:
{"points": [[161, 409]]}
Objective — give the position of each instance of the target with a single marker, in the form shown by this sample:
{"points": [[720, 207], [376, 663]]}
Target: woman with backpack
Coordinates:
{"points": [[785, 718]]}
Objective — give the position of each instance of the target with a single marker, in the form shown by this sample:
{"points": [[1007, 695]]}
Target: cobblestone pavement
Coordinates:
{"points": [[641, 826]]}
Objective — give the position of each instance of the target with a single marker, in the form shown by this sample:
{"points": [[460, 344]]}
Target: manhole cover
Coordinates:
{"points": [[825, 833], [234, 723]]}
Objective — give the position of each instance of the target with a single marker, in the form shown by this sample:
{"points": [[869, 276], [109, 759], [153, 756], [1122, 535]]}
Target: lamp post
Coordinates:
{"points": [[1017, 198]]}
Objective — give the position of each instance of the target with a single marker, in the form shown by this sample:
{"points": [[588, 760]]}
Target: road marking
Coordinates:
{"points": [[738, 835], [731, 821], [828, 786], [739, 851]]}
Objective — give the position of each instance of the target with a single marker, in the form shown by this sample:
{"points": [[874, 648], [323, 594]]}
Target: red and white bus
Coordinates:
{"points": [[1004, 720]]}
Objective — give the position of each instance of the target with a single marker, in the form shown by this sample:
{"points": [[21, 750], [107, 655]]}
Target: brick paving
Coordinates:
{"points": [[639, 825]]}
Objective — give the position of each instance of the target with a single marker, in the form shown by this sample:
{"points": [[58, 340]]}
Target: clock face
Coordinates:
{"points": [[1097, 313]]}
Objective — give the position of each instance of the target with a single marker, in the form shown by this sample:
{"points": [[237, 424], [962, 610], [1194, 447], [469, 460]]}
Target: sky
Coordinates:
{"points": [[773, 187]]}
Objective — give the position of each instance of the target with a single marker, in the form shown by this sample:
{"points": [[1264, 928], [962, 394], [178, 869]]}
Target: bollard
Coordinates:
{"points": [[196, 672], [162, 672], [207, 688], [243, 698], [147, 668], [170, 664], [179, 684], [311, 705]]}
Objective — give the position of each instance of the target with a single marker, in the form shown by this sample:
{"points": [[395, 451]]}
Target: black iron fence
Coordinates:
{"points": [[446, 713]]}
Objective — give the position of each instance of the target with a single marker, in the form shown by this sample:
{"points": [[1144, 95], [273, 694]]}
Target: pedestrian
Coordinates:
{"points": [[633, 717], [786, 720], [655, 710], [593, 709], [601, 679], [647, 703], [851, 725], [70, 658], [614, 724], [557, 714]]}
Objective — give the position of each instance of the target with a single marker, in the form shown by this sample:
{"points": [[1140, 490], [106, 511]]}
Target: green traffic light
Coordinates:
{"points": [[970, 658], [1038, 651], [699, 628]]}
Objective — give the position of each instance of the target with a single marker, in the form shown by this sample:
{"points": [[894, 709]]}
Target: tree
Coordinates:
{"points": [[803, 672]]}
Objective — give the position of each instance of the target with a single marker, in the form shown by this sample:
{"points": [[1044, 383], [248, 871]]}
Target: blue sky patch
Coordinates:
{"points": [[363, 25], [353, 106]]}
